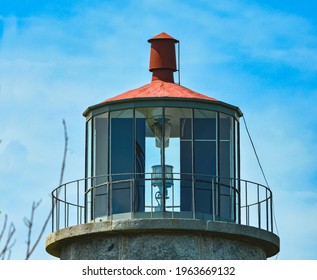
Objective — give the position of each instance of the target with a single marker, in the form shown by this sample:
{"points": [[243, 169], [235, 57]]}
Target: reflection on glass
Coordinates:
{"points": [[149, 131], [100, 165], [226, 164], [205, 162], [121, 159], [88, 182]]}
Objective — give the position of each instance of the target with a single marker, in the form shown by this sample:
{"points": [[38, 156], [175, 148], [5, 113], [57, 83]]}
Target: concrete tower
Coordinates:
{"points": [[162, 179]]}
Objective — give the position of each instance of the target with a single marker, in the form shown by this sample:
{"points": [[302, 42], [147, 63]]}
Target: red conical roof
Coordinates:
{"points": [[160, 89]]}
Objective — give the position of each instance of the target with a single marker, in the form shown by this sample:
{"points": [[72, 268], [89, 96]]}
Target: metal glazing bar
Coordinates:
{"points": [[238, 170], [193, 177], [163, 163], [218, 171], [178, 60]]}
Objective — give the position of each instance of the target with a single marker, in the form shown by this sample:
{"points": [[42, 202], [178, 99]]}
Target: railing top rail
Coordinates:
{"points": [[194, 175]]}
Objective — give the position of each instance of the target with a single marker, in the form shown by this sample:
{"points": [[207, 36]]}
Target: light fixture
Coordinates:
{"points": [[162, 178], [159, 124]]}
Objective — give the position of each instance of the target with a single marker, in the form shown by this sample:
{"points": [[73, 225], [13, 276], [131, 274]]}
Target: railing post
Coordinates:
{"points": [[271, 214], [151, 198], [173, 197], [267, 210], [57, 208], [92, 199], [239, 201], [65, 196], [85, 200], [193, 196], [53, 208], [110, 199], [213, 195], [218, 200], [246, 202], [132, 198], [77, 202], [67, 215], [232, 199], [259, 206]]}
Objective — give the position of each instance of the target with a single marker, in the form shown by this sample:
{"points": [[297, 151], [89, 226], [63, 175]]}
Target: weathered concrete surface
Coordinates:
{"points": [[162, 239]]}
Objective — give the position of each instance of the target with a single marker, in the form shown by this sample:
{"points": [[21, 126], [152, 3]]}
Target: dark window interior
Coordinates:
{"points": [[140, 165], [121, 159]]}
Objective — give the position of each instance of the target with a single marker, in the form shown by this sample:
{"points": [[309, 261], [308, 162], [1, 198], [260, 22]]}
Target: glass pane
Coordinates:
{"points": [[205, 170], [237, 170], [100, 146], [139, 186], [121, 159], [121, 147], [149, 152], [178, 134], [226, 146], [88, 182], [205, 161], [186, 175], [205, 124], [237, 150], [100, 165], [88, 148], [226, 168]]}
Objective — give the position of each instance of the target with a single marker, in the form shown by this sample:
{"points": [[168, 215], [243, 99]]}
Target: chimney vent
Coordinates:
{"points": [[162, 57]]}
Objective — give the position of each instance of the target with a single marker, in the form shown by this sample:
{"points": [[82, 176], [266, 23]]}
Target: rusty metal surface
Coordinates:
{"points": [[162, 57]]}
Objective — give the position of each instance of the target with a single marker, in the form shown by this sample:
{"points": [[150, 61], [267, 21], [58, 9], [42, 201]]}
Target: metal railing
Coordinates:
{"points": [[133, 196]]}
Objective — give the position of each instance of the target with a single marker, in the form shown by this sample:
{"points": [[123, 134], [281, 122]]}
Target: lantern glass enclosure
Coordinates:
{"points": [[162, 161]]}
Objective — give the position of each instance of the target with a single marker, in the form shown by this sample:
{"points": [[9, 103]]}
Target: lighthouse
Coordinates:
{"points": [[162, 179]]}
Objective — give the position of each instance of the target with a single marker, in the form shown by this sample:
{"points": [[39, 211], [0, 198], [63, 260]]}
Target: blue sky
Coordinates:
{"points": [[59, 57]]}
